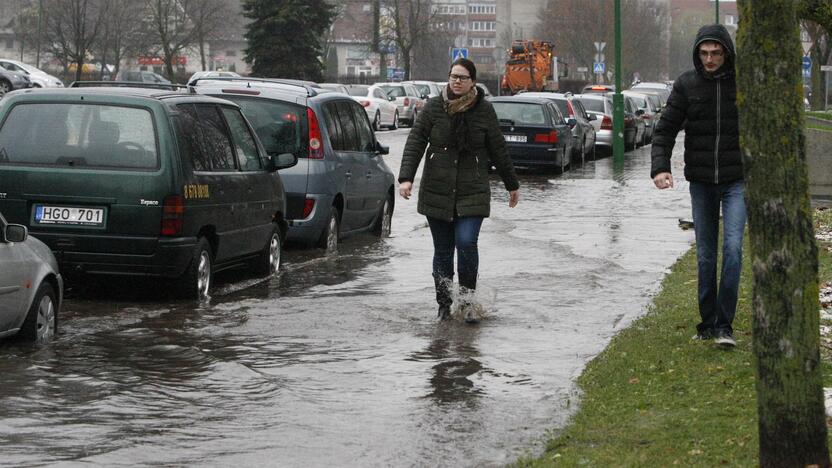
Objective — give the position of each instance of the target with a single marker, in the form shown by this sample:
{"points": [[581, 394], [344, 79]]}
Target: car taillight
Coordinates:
{"points": [[365, 103], [570, 109], [551, 137], [606, 123], [173, 214], [316, 150], [406, 101], [308, 206]]}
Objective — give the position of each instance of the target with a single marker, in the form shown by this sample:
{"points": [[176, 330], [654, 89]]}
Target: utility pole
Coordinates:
{"points": [[717, 11], [618, 98], [378, 47]]}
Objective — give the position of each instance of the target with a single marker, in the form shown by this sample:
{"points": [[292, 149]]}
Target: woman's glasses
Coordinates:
{"points": [[459, 78]]}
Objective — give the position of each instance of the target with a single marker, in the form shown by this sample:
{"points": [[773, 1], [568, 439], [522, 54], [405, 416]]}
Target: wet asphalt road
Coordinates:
{"points": [[340, 361]]}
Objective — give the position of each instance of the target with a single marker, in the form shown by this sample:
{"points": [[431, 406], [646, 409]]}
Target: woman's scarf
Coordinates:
{"points": [[456, 109]]}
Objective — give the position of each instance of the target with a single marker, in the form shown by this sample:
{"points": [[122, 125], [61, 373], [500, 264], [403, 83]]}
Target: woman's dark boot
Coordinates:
{"points": [[467, 304], [443, 296]]}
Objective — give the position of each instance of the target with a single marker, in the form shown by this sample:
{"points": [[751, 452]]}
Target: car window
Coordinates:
{"points": [[280, 126], [79, 135], [579, 109], [362, 123], [358, 90], [333, 127], [247, 157], [379, 94], [521, 113], [423, 88], [349, 131], [556, 113], [395, 91], [190, 139], [594, 105], [562, 106], [216, 137]]}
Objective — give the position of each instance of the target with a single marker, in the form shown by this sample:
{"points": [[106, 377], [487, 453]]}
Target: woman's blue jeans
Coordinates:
{"points": [[718, 306], [461, 235]]}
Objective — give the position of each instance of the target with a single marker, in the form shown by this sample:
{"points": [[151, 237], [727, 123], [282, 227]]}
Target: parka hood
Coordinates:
{"points": [[718, 33]]}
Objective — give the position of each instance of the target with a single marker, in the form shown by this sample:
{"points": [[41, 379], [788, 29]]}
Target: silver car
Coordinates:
{"points": [[408, 100], [31, 289]]}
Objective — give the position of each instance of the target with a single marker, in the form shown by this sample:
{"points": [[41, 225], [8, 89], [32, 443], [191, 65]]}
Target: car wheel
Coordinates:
{"points": [[413, 120], [329, 238], [384, 220], [268, 261], [5, 87], [377, 121], [593, 151], [395, 121], [197, 278], [41, 321]]}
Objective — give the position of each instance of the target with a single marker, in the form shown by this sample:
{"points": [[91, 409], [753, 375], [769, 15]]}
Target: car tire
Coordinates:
{"points": [[384, 220], [196, 281], [395, 125], [268, 260], [5, 87], [41, 322], [377, 122], [332, 232], [413, 120]]}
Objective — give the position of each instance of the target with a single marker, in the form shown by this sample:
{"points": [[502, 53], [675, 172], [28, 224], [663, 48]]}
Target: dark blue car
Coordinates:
{"points": [[537, 135]]}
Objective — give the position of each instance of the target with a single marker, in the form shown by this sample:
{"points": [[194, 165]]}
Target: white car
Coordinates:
{"points": [[408, 100], [213, 74], [426, 88], [31, 289], [381, 109], [38, 77]]}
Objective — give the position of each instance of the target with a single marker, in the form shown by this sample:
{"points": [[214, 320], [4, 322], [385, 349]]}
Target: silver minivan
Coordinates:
{"points": [[341, 184]]}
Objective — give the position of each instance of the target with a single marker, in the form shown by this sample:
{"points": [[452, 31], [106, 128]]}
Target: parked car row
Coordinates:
{"points": [[182, 183]]}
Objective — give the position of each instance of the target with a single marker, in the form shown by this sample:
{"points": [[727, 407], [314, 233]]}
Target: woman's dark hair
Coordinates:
{"points": [[469, 65]]}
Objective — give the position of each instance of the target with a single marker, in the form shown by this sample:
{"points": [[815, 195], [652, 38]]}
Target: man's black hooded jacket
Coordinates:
{"points": [[705, 105]]}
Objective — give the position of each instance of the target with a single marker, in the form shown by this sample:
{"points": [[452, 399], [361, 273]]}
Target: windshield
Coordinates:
{"points": [[520, 113], [79, 135], [281, 126], [394, 91], [360, 91], [594, 105], [422, 88]]}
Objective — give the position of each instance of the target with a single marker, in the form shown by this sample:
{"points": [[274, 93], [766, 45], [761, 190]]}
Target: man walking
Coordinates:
{"points": [[703, 100]]}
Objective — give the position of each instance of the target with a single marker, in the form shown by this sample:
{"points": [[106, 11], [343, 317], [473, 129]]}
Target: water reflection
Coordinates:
{"points": [[453, 349]]}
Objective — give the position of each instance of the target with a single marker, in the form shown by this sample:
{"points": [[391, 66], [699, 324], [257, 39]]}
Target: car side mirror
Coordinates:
{"points": [[572, 121], [640, 112], [591, 117], [282, 161], [15, 233], [382, 149], [391, 98]]}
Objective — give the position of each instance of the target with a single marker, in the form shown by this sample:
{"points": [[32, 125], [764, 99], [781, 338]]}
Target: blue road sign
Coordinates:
{"points": [[459, 52], [599, 68], [807, 62]]}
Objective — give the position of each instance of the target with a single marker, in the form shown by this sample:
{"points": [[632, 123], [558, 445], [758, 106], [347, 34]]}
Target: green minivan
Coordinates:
{"points": [[141, 182]]}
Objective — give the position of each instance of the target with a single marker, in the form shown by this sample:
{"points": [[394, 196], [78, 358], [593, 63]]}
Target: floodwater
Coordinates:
{"points": [[341, 361]]}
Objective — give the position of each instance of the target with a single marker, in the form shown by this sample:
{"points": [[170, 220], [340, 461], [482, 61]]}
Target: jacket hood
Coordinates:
{"points": [[718, 33]]}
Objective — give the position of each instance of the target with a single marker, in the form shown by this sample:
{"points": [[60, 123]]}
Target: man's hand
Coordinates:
{"points": [[513, 198], [663, 180], [404, 189]]}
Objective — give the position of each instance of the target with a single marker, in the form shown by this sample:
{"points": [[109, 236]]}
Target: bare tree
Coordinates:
{"points": [[209, 18], [410, 24], [173, 29], [124, 33], [72, 27]]}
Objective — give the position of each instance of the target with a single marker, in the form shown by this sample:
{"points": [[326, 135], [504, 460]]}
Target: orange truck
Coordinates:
{"points": [[531, 66]]}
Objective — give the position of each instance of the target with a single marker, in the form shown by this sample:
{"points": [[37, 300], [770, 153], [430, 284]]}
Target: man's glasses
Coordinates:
{"points": [[711, 53], [459, 78]]}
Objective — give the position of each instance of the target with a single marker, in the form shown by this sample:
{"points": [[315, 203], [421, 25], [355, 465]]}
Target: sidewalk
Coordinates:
{"points": [[656, 398]]}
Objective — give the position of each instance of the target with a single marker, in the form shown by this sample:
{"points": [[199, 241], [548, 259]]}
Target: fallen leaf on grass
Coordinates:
{"points": [[634, 380], [695, 452]]}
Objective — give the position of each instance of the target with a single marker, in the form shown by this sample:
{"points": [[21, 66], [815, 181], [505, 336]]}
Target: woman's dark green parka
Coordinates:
{"points": [[454, 182]]}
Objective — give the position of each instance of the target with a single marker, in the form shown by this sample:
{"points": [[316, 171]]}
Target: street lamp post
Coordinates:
{"points": [[618, 98], [717, 11]]}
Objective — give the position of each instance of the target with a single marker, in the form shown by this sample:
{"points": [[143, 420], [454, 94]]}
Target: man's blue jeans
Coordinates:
{"points": [[718, 306], [460, 234]]}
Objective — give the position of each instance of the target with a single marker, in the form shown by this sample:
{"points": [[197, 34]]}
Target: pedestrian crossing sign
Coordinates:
{"points": [[458, 53], [599, 68]]}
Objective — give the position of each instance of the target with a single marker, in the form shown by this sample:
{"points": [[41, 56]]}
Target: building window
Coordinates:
{"points": [[366, 7], [729, 20], [10, 43], [482, 9], [483, 25]]}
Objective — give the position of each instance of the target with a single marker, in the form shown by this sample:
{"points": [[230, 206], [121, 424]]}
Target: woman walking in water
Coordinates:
{"points": [[461, 132]]}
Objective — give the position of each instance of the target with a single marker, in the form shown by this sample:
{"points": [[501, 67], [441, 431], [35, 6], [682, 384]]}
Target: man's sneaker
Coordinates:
{"points": [[703, 336], [725, 338]]}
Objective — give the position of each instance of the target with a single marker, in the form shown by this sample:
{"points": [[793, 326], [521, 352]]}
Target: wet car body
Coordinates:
{"points": [[600, 104], [583, 132], [537, 135], [341, 184], [31, 287]]}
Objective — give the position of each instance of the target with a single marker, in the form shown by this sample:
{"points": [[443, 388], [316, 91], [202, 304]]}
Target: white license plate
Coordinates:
{"points": [[516, 138], [69, 215]]}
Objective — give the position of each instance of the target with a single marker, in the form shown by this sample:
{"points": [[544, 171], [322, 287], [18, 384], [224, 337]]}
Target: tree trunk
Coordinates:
{"points": [[792, 419], [202, 53]]}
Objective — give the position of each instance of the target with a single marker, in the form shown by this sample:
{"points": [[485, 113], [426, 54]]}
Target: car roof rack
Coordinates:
{"points": [[127, 84], [310, 91]]}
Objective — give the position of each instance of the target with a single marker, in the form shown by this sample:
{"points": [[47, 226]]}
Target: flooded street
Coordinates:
{"points": [[341, 361]]}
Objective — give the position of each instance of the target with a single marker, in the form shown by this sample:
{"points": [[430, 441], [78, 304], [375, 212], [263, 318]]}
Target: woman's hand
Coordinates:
{"points": [[513, 198], [404, 189]]}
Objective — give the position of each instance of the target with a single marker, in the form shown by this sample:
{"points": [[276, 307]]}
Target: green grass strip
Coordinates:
{"points": [[656, 398], [820, 115]]}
